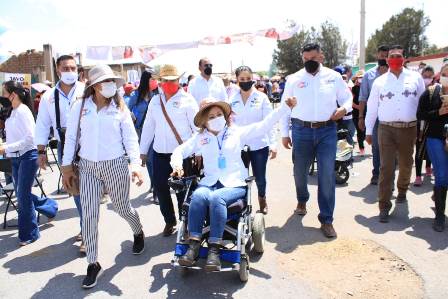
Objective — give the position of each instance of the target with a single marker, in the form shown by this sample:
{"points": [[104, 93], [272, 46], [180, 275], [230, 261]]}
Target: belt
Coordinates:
{"points": [[313, 124], [399, 124]]}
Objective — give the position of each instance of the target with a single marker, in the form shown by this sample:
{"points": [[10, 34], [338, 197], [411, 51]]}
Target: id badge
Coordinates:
{"points": [[222, 162]]}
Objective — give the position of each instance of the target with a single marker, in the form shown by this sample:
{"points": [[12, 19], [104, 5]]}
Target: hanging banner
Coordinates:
{"points": [[149, 53], [122, 52], [237, 38], [24, 79], [98, 52]]}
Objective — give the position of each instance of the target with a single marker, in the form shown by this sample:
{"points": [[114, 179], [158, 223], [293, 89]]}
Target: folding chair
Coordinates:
{"points": [[8, 190]]}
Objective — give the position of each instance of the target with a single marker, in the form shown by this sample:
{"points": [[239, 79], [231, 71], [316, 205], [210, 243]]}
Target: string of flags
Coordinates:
{"points": [[148, 53]]}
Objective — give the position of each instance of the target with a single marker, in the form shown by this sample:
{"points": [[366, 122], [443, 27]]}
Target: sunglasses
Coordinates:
{"points": [[208, 65]]}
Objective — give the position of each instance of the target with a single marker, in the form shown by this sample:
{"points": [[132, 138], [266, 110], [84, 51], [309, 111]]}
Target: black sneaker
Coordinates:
{"points": [[384, 216], [93, 271], [139, 244]]}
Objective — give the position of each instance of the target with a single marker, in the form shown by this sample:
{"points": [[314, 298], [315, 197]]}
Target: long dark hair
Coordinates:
{"points": [[22, 92], [143, 88]]}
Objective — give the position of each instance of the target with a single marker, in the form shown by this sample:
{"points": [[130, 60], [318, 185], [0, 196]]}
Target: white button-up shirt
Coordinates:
{"points": [[19, 129], [232, 141], [257, 107], [394, 99], [201, 88], [105, 134], [181, 109], [317, 96], [46, 117]]}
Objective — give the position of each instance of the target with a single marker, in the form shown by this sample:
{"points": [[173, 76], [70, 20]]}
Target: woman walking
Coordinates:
{"points": [[102, 160], [20, 148]]}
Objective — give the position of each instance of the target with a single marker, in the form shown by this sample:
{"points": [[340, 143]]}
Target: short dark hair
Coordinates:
{"points": [[383, 48], [428, 68], [310, 47], [64, 58], [202, 60]]}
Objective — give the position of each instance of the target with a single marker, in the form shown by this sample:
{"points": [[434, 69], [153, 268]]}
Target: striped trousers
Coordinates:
{"points": [[112, 176]]}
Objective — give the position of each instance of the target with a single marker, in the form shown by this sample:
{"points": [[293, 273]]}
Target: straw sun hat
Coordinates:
{"points": [[103, 72], [201, 117]]}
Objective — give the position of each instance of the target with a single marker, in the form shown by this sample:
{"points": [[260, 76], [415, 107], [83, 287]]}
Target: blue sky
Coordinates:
{"points": [[72, 25]]}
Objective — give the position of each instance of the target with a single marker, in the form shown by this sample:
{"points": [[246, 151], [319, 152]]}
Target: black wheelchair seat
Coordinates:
{"points": [[237, 207]]}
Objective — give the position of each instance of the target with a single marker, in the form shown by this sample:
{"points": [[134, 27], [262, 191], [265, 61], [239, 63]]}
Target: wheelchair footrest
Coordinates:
{"points": [[226, 255]]}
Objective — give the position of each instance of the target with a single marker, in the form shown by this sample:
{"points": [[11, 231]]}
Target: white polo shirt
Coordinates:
{"points": [[46, 117], [257, 107], [394, 99], [181, 109], [317, 96], [232, 141], [201, 88], [19, 127], [105, 135]]}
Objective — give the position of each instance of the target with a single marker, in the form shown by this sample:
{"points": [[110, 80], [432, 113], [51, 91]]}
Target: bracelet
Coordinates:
{"points": [[42, 152]]}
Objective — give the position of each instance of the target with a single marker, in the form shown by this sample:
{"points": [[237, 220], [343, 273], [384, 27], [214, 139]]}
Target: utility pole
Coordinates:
{"points": [[48, 62], [362, 37]]}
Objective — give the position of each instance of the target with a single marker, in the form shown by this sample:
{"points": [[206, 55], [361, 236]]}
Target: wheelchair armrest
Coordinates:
{"points": [[250, 179]]}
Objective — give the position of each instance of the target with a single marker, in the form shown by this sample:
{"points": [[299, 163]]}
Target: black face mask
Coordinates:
{"points": [[246, 86], [382, 62], [311, 66], [208, 71]]}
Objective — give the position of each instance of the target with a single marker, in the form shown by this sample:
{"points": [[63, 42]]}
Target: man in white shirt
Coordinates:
{"points": [[206, 85], [63, 95], [393, 100], [180, 108], [322, 99]]}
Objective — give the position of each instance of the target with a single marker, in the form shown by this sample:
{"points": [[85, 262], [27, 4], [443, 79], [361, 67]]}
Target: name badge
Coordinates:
{"points": [[222, 164]]}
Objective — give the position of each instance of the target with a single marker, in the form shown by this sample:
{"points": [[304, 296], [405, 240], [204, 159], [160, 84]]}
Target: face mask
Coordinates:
{"points": [[108, 89], [217, 124], [153, 84], [360, 81], [246, 85], [208, 71], [311, 66], [69, 78], [169, 87], [395, 64], [427, 81], [443, 80], [382, 62]]}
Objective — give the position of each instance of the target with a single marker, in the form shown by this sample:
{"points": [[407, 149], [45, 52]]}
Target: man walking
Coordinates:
{"points": [[322, 98], [54, 108], [366, 87], [394, 100], [206, 85]]}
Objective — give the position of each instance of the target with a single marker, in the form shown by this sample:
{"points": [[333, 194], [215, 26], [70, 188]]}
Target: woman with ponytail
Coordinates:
{"points": [[19, 146]]}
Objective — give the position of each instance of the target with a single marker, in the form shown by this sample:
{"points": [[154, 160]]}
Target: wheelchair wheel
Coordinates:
{"points": [[244, 269], [258, 230], [342, 175]]}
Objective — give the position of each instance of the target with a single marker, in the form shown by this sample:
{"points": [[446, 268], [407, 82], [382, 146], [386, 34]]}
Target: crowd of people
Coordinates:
{"points": [[163, 125]]}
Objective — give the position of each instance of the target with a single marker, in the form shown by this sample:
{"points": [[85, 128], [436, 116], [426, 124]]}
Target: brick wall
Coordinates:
{"points": [[29, 62]]}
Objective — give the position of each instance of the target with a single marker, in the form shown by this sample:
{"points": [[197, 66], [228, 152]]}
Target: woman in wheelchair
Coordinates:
{"points": [[220, 144]]}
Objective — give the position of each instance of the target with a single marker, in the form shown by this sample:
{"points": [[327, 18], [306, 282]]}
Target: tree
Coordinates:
{"points": [[288, 59], [406, 28], [333, 46]]}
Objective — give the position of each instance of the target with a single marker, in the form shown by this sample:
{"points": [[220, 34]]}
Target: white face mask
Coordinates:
{"points": [[69, 78], [108, 89], [427, 81], [217, 124], [444, 80]]}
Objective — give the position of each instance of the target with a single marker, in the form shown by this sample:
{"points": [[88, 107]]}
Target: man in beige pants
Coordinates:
{"points": [[394, 100]]}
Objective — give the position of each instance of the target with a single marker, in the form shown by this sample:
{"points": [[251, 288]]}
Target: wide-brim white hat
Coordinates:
{"points": [[102, 72]]}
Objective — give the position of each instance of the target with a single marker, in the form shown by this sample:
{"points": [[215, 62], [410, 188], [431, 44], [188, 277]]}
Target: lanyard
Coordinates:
{"points": [[70, 94], [222, 141]]}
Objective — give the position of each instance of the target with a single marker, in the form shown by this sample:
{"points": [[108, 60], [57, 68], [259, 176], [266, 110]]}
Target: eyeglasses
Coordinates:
{"points": [[208, 65]]}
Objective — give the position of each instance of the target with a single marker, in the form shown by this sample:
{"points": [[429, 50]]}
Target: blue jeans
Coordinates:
{"points": [[439, 159], [350, 126], [259, 160], [375, 151], [150, 163], [320, 143], [24, 169], [77, 197], [215, 200]]}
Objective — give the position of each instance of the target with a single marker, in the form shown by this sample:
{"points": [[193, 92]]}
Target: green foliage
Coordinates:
{"points": [[287, 57], [406, 29]]}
